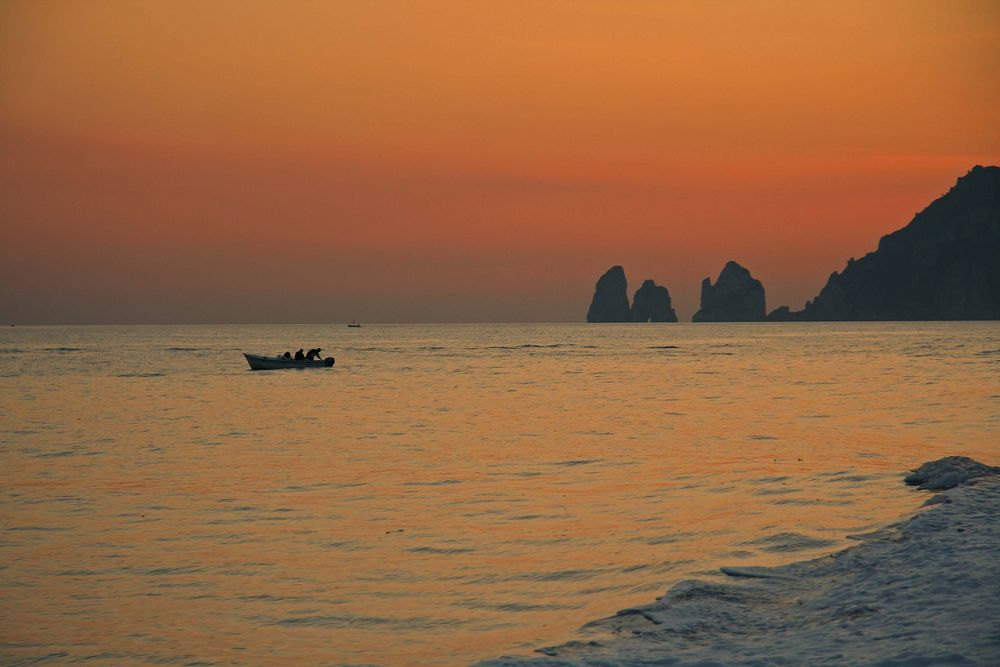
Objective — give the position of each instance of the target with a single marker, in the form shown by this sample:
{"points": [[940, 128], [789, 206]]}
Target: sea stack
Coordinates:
{"points": [[784, 314], [736, 297], [651, 303], [610, 302], [944, 265]]}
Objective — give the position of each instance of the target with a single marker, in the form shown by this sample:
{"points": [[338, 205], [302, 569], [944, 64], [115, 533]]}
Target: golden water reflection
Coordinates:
{"points": [[444, 494]]}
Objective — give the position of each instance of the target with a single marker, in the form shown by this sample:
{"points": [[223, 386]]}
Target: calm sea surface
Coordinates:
{"points": [[445, 493]]}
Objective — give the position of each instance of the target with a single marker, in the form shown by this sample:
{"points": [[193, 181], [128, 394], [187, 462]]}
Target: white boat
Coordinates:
{"points": [[260, 362]]}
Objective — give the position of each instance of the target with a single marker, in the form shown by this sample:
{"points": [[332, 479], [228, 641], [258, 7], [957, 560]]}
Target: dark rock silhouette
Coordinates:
{"points": [[780, 314], [944, 265], [610, 302], [736, 297], [652, 304], [784, 314]]}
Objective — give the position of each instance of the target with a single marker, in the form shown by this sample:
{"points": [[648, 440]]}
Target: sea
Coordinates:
{"points": [[445, 493]]}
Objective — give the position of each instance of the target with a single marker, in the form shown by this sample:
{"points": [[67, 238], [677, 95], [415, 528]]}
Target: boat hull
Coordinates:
{"points": [[259, 362]]}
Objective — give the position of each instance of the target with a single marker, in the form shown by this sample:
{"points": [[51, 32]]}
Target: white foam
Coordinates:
{"points": [[924, 593]]}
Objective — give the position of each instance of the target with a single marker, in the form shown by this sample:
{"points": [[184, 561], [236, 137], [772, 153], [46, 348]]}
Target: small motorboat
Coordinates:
{"points": [[259, 362], [354, 324]]}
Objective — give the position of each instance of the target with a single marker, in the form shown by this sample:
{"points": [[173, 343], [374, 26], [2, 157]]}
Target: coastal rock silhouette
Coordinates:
{"points": [[944, 265], [783, 314], [736, 297], [651, 303], [610, 302]]}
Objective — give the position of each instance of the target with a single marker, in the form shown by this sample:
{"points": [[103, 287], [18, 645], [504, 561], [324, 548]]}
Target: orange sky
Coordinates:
{"points": [[466, 161]]}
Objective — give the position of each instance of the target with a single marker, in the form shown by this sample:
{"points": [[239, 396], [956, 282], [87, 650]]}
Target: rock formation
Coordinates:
{"points": [[785, 314], [944, 265], [610, 302], [780, 314], [652, 304], [736, 297]]}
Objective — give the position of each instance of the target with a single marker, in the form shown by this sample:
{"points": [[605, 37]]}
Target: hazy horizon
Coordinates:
{"points": [[450, 162]]}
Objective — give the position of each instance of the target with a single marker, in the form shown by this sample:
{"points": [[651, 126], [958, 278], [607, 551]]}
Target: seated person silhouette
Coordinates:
{"points": [[286, 355], [313, 354], [299, 356]]}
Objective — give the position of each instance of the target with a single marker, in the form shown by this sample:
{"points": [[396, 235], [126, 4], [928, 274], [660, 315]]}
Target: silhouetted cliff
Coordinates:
{"points": [[610, 302], [944, 265], [652, 304], [736, 297]]}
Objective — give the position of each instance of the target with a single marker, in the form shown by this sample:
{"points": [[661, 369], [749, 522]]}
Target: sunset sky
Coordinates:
{"points": [[463, 161]]}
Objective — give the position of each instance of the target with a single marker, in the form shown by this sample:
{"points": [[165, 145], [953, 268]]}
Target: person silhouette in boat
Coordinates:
{"points": [[299, 356], [313, 354], [286, 355]]}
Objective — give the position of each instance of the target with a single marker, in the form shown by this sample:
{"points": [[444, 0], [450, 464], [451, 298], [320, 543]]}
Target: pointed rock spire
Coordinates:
{"points": [[610, 302]]}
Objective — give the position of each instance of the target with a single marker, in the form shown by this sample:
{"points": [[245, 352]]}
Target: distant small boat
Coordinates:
{"points": [[259, 362], [354, 324]]}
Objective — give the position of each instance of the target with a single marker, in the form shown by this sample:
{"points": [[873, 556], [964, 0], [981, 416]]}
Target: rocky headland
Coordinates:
{"points": [[922, 592], [736, 297], [944, 265]]}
